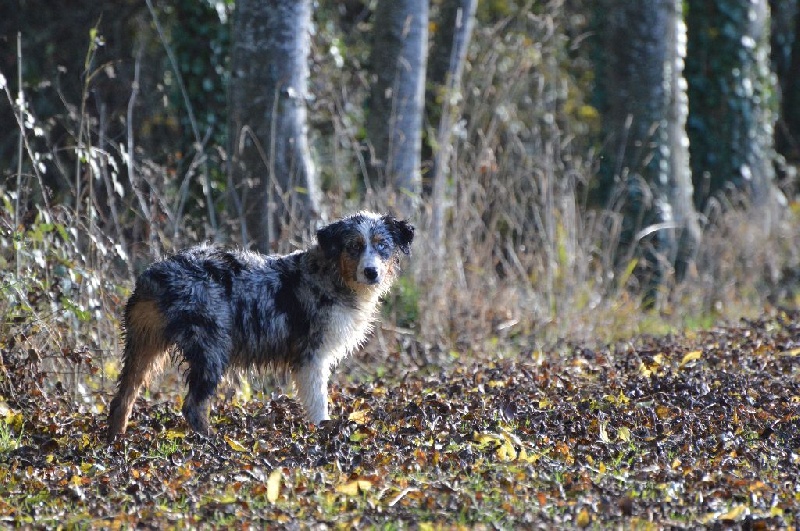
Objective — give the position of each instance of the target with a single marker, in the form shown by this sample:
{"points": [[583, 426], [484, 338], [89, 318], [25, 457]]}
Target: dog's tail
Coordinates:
{"points": [[145, 351]]}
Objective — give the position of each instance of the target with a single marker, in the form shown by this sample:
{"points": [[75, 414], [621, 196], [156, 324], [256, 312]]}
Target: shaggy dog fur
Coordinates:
{"points": [[301, 313]]}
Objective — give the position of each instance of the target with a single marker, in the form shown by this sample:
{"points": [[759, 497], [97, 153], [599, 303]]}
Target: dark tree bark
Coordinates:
{"points": [[271, 162], [643, 99], [445, 67], [785, 44], [730, 99], [394, 120]]}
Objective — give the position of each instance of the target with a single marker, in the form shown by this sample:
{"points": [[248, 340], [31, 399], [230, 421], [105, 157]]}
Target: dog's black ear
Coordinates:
{"points": [[402, 232], [329, 238]]}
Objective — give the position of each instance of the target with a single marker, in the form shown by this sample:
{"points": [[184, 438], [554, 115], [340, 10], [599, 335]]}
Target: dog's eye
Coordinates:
{"points": [[355, 247], [382, 246]]}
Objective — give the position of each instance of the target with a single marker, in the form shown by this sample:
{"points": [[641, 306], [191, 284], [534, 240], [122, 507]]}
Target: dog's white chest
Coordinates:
{"points": [[346, 331]]}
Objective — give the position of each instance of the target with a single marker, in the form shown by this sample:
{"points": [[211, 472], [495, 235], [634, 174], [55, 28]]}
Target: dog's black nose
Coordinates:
{"points": [[371, 273]]}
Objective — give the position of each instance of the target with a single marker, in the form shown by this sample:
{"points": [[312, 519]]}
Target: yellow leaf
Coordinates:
{"points": [[690, 357], [584, 518], [359, 417], [274, 485], [647, 370], [662, 411], [587, 112], [793, 352], [602, 468], [624, 434], [487, 438], [619, 400], [235, 445], [14, 419], [350, 488], [532, 459], [736, 513], [506, 452], [172, 434]]}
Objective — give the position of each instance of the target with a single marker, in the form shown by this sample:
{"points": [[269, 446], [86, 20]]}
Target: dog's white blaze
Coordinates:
{"points": [[372, 259]]}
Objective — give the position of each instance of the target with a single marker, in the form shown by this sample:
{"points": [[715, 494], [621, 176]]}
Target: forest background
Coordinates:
{"points": [[576, 170], [579, 172]]}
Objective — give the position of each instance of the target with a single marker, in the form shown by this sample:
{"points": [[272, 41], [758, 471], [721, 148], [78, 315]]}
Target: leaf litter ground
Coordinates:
{"points": [[697, 429]]}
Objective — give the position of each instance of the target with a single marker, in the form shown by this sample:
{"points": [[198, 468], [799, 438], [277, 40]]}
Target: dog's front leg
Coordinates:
{"points": [[311, 382]]}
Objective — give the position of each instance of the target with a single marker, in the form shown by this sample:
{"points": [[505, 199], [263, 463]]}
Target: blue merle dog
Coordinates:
{"points": [[301, 313]]}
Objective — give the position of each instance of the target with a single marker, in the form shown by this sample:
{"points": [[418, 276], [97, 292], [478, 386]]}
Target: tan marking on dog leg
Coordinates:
{"points": [[145, 353]]}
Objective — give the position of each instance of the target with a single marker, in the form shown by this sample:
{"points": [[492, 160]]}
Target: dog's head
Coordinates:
{"points": [[367, 247]]}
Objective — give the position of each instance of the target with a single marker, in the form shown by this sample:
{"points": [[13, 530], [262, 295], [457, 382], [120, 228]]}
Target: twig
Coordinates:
{"points": [[21, 96], [131, 163], [401, 495]]}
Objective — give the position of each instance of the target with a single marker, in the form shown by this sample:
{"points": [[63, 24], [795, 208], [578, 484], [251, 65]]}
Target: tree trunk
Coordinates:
{"points": [[644, 104], [786, 62], [271, 163], [394, 121], [731, 99], [444, 81]]}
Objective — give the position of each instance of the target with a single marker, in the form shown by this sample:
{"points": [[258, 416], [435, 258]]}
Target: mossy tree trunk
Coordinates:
{"points": [[641, 92], [731, 99], [785, 46]]}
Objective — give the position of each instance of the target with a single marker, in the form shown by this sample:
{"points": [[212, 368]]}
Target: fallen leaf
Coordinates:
{"points": [[235, 445], [584, 518], [274, 485], [352, 488], [506, 452], [359, 417], [690, 357], [736, 513]]}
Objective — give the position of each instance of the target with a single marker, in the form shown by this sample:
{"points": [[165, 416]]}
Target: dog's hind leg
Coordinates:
{"points": [[207, 351], [145, 351], [311, 381]]}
